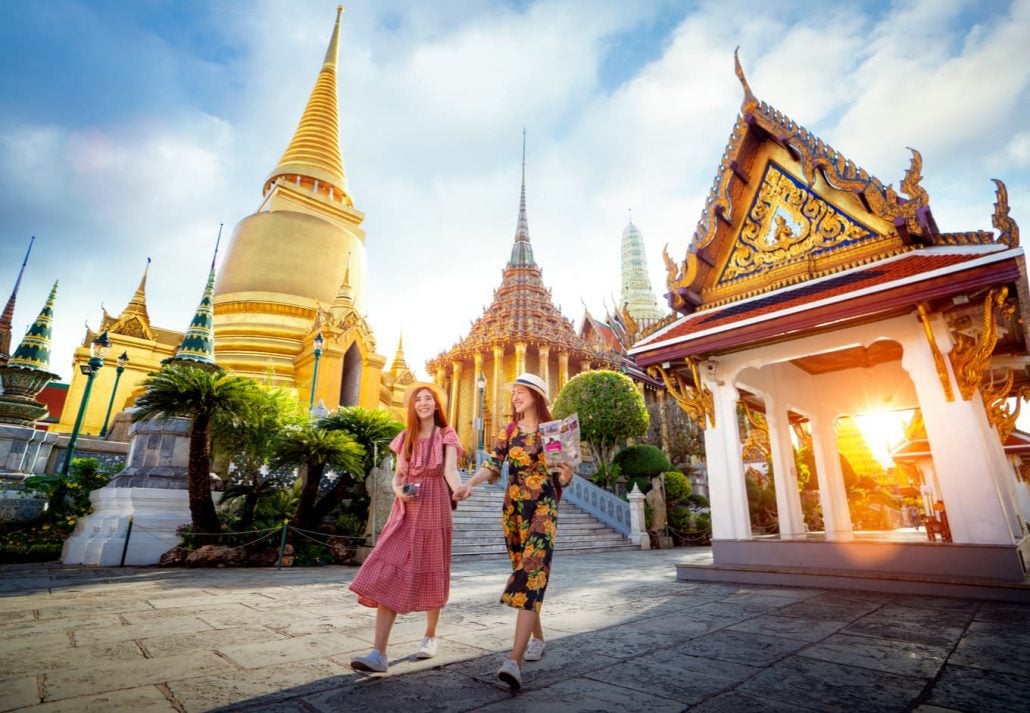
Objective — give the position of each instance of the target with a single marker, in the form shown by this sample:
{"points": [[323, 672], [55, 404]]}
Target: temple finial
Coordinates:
{"points": [[522, 251], [7, 317], [750, 102], [138, 303], [313, 157], [34, 350]]}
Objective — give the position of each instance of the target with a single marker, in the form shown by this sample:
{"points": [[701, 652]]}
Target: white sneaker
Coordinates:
{"points": [[427, 650], [535, 650], [510, 675], [373, 662]]}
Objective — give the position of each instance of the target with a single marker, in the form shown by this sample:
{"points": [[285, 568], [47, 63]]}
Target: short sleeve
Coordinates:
{"points": [[450, 438], [398, 442], [496, 459]]}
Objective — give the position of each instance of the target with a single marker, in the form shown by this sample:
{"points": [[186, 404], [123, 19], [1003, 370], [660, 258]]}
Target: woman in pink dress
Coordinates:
{"points": [[410, 567]]}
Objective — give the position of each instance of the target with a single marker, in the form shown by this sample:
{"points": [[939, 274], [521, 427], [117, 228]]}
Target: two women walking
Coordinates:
{"points": [[409, 569]]}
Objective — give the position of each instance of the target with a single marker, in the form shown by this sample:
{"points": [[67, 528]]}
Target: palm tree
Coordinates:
{"points": [[315, 450], [199, 393], [372, 428]]}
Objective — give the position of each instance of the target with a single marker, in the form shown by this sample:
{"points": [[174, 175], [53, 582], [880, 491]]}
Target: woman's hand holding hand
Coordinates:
{"points": [[564, 474]]}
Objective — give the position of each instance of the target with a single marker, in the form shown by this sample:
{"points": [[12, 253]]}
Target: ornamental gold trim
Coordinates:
{"points": [[996, 403], [938, 357], [757, 440], [696, 401], [971, 358]]}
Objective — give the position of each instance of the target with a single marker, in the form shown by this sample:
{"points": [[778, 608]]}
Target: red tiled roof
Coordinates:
{"points": [[863, 291]]}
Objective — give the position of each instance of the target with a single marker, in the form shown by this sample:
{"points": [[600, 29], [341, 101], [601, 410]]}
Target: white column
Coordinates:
{"points": [[832, 496], [731, 519], [785, 477], [637, 531], [980, 505]]}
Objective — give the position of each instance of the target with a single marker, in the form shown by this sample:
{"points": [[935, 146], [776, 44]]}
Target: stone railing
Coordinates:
{"points": [[613, 511]]}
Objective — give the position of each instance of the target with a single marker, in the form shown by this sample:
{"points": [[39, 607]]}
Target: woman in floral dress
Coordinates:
{"points": [[529, 517], [410, 567]]}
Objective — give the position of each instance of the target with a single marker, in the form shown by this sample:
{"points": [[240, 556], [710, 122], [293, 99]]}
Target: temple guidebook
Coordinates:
{"points": [[561, 441]]}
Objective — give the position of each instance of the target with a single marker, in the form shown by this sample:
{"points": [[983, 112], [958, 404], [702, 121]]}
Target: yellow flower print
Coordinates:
{"points": [[514, 492], [535, 482], [542, 510], [537, 581], [528, 550], [519, 456], [505, 598], [550, 529], [519, 600]]}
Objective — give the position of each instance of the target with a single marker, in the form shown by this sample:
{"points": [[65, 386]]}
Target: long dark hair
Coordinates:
{"points": [[543, 413]]}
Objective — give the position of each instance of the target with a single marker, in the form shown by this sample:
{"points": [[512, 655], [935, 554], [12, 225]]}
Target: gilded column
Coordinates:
{"points": [[520, 357], [584, 366], [544, 353], [495, 389], [452, 410], [563, 369], [477, 371], [441, 376]]}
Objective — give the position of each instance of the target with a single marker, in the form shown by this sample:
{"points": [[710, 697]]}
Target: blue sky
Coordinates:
{"points": [[132, 129]]}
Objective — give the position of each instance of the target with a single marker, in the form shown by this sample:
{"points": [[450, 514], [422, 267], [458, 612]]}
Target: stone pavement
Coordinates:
{"points": [[623, 635]]}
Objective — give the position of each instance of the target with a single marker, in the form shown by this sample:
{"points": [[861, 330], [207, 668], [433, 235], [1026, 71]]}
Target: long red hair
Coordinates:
{"points": [[411, 435]]}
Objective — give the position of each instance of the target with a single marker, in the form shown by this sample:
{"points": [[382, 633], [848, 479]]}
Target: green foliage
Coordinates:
{"points": [[677, 487], [372, 429], [686, 440], [247, 438], [681, 518], [642, 461], [698, 500], [609, 406], [203, 394], [349, 525], [607, 475], [761, 500], [315, 450], [67, 501]]}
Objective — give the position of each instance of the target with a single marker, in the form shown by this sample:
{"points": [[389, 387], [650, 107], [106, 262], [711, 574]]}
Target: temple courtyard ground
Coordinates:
{"points": [[623, 635]]}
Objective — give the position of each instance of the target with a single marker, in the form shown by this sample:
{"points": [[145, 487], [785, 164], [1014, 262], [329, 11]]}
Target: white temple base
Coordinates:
{"points": [[99, 538]]}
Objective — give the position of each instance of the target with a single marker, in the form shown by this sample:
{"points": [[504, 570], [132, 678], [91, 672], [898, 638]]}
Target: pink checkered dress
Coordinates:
{"points": [[410, 567]]}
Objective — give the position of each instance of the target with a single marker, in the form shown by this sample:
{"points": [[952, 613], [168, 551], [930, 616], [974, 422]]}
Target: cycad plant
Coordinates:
{"points": [[199, 393], [373, 429], [315, 450]]}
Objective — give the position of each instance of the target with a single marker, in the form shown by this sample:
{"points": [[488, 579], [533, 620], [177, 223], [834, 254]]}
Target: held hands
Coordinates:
{"points": [[463, 493]]}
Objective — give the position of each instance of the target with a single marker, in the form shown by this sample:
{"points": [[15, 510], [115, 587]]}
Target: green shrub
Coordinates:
{"points": [[642, 461], [680, 519], [677, 487], [698, 500]]}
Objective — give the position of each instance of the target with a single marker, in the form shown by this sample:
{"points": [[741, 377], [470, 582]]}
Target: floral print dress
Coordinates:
{"points": [[529, 517]]}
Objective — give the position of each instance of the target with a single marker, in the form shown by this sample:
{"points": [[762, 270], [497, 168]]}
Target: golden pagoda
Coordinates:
{"points": [[520, 331], [296, 267]]}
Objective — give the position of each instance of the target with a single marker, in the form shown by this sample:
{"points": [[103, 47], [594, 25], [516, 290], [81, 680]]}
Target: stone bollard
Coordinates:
{"points": [[637, 533]]}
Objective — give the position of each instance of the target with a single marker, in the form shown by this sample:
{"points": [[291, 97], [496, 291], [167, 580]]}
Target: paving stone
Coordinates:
{"points": [[121, 675], [1003, 613], [687, 679], [923, 616], [996, 647], [978, 690], [269, 683], [828, 610], [126, 632], [901, 657], [790, 627], [741, 647], [174, 644], [266, 653], [583, 696], [430, 691], [18, 692], [36, 659], [906, 631], [833, 687], [145, 699], [737, 702]]}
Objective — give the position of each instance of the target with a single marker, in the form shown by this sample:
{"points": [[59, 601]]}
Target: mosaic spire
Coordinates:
{"points": [[398, 358], [7, 317], [522, 251], [314, 151], [34, 350], [198, 345], [637, 296]]}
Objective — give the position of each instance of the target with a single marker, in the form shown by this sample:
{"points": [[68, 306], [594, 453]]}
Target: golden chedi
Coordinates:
{"points": [[297, 267]]}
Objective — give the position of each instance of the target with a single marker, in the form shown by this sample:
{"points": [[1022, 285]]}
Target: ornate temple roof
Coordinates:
{"points": [[522, 309], [314, 151], [7, 316], [785, 207], [198, 344]]}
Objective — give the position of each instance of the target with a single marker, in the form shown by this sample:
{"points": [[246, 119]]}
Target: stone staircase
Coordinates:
{"points": [[477, 528]]}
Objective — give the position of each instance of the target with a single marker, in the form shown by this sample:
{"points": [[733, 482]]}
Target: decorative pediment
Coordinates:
{"points": [[786, 207], [336, 322], [787, 228]]}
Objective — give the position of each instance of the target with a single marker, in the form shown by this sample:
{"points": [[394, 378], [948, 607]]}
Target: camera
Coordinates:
{"points": [[410, 489]]}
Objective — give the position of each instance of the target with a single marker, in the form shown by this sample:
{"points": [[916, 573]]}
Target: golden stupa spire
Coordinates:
{"points": [[398, 358], [138, 304], [314, 151]]}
